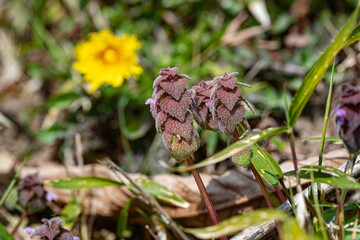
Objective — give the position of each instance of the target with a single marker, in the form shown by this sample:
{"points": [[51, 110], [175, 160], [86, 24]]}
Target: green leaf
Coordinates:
{"points": [[160, 192], [4, 234], [266, 165], [330, 139], [237, 223], [49, 135], [69, 214], [354, 36], [77, 183], [318, 70], [121, 229], [62, 101], [292, 230], [233, 148], [335, 178]]}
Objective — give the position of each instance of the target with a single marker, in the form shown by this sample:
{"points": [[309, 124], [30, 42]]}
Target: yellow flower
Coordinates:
{"points": [[106, 58]]}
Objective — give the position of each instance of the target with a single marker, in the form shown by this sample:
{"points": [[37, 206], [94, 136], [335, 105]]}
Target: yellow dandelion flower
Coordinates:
{"points": [[106, 58]]}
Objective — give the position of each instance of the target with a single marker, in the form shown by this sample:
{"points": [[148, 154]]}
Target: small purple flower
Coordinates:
{"points": [[207, 104], [51, 197], [76, 238], [348, 118], [340, 116], [29, 230], [150, 101]]}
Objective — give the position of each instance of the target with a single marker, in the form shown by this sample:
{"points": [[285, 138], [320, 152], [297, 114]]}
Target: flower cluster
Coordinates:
{"points": [[200, 106], [170, 105], [31, 193], [51, 230], [215, 105], [106, 58], [227, 105], [348, 118]]}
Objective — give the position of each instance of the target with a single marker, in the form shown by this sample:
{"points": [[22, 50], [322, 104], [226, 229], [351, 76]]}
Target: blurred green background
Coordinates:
{"points": [[270, 43]]}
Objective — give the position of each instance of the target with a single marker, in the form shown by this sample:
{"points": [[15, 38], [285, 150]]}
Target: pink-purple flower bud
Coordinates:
{"points": [[227, 105], [169, 106], [51, 230]]}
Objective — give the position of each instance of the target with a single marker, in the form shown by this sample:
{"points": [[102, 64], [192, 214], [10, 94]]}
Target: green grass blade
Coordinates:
{"points": [[122, 225], [232, 149], [326, 116], [335, 177], [354, 36], [4, 234], [266, 165], [160, 192], [77, 183], [330, 139], [237, 223], [318, 70], [12, 183]]}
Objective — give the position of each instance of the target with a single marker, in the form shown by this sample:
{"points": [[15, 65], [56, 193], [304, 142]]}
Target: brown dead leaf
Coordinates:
{"points": [[232, 193]]}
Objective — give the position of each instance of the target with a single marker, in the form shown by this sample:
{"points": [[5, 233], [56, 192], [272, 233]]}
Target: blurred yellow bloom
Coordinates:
{"points": [[106, 58]]}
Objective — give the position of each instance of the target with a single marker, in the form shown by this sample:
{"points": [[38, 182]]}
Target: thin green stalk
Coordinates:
{"points": [[12, 183], [326, 116], [317, 208], [326, 119]]}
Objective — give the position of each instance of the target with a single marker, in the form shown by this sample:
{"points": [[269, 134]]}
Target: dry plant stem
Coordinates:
{"points": [[262, 186], [294, 158], [353, 235], [340, 214], [148, 199], [23, 216], [205, 196]]}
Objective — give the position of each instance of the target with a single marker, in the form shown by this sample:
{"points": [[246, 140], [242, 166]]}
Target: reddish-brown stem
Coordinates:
{"points": [[280, 194], [23, 216], [262, 186], [265, 193], [205, 196]]}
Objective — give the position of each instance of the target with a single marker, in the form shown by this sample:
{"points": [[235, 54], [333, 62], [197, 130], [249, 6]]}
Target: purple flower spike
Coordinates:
{"points": [[51, 197], [31, 193], [227, 105], [169, 106], [200, 106], [348, 118], [52, 230]]}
